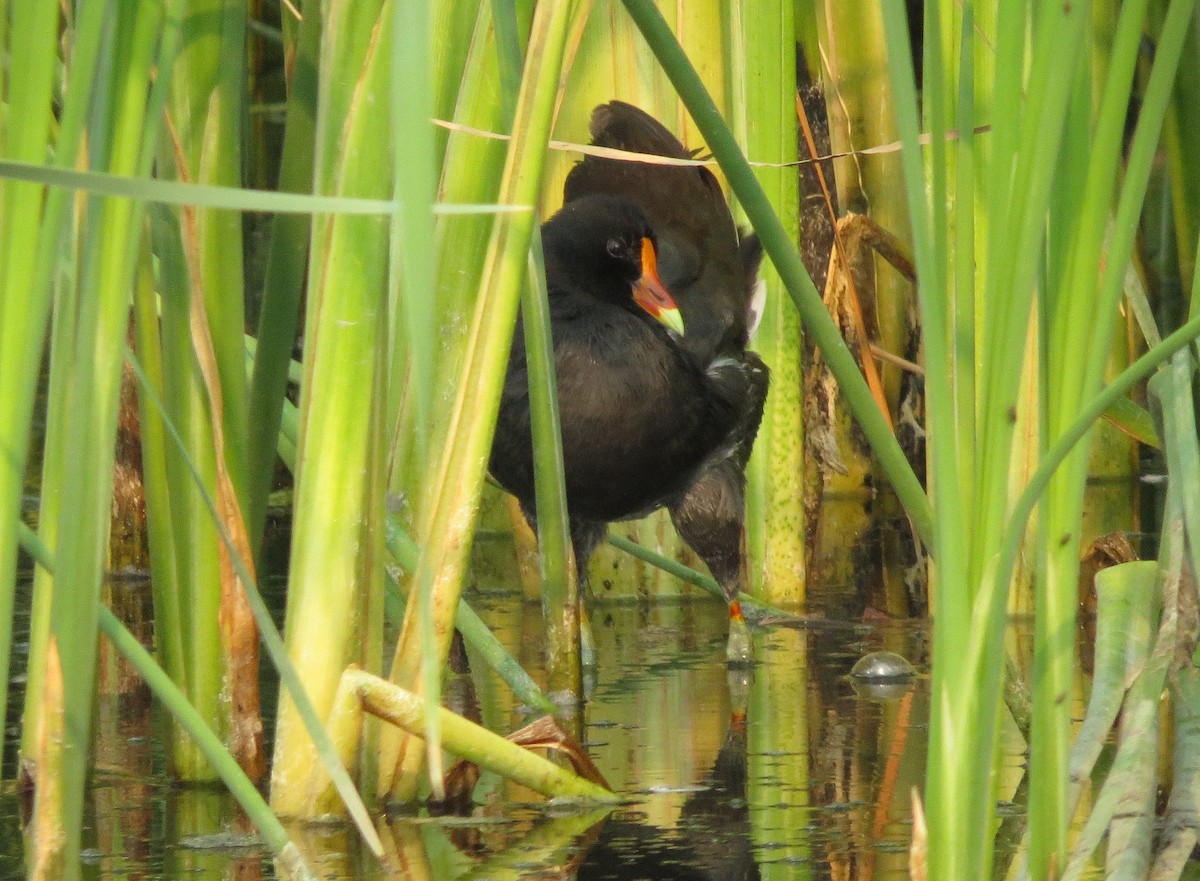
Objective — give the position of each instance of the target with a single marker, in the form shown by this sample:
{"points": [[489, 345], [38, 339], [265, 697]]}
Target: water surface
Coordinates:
{"points": [[783, 771]]}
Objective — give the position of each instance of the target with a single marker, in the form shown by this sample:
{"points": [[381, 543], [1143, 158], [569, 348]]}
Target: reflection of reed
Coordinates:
{"points": [[657, 697], [865, 760], [204, 835], [122, 797], [404, 853]]}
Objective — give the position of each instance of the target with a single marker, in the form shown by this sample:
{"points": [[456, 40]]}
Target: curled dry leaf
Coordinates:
{"points": [[543, 733]]}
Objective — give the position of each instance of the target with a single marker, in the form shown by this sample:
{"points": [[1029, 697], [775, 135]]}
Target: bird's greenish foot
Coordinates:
{"points": [[738, 651]]}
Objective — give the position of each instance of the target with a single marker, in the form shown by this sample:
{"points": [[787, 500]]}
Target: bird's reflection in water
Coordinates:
{"points": [[711, 840]]}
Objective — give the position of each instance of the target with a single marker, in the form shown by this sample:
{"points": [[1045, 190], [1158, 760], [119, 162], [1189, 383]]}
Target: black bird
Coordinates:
{"points": [[655, 411]]}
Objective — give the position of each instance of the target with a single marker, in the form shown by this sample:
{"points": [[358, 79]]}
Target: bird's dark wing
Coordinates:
{"points": [[699, 256]]}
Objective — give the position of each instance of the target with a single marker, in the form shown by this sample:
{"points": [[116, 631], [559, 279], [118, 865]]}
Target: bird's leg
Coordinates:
{"points": [[709, 517], [586, 536]]}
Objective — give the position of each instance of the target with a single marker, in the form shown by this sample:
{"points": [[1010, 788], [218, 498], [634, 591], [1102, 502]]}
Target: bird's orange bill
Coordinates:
{"points": [[652, 295]]}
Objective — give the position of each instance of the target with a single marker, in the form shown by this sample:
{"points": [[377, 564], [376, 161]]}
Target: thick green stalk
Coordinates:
{"points": [[335, 578], [204, 110], [88, 35], [969, 256], [283, 278], [459, 478], [783, 254], [220, 162], [413, 268], [29, 42], [111, 241], [454, 50], [509, 54], [763, 80], [414, 259], [169, 613], [180, 518], [953, 590]]}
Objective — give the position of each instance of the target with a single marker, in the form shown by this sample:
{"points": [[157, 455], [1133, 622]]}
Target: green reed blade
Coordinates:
{"points": [[110, 241], [29, 41], [283, 282], [560, 590], [413, 265]]}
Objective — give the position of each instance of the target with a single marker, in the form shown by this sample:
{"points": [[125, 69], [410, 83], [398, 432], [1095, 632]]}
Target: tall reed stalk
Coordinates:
{"points": [[762, 77], [205, 387], [283, 283], [96, 304], [28, 41], [25, 306], [336, 577]]}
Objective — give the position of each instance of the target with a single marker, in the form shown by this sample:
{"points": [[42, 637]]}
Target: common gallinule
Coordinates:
{"points": [[655, 411]]}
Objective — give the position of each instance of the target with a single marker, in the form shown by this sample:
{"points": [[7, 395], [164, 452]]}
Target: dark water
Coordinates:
{"points": [[780, 772]]}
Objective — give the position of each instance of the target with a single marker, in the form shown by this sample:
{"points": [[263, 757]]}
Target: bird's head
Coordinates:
{"points": [[606, 246]]}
